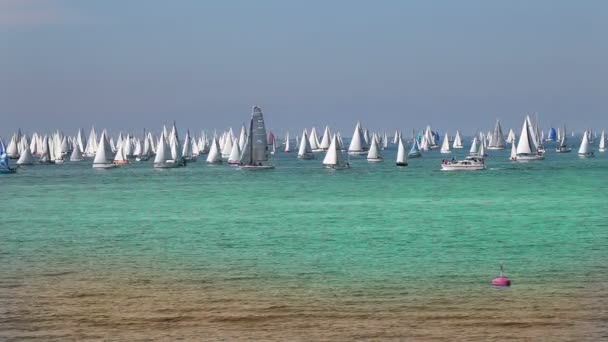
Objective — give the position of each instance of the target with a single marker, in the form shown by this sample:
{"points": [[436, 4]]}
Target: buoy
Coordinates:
{"points": [[501, 280]]}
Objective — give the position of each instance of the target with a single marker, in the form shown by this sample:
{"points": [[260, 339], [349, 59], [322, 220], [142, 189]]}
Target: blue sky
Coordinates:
{"points": [[391, 64]]}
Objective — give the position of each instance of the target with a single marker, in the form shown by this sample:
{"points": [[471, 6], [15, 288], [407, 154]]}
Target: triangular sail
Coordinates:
{"points": [[526, 144], [445, 145], [401, 158]]}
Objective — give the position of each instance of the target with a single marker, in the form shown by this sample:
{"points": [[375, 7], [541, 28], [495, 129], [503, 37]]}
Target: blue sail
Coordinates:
{"points": [[4, 167], [552, 135]]}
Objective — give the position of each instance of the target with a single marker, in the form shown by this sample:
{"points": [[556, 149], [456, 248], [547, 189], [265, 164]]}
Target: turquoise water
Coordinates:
{"points": [[371, 231]]}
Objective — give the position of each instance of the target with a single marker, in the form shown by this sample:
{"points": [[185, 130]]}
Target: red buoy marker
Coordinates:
{"points": [[501, 280]]}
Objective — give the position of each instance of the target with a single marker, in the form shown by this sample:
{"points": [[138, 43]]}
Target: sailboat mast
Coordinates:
{"points": [[250, 141]]}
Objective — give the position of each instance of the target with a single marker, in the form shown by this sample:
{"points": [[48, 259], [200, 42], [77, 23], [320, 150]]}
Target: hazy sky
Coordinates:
{"points": [[392, 64]]}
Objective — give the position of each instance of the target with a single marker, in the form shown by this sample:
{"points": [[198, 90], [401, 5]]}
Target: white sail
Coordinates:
{"points": [[235, 154], [91, 144], [120, 156], [305, 151], [227, 147], [162, 150], [242, 138], [187, 149], [333, 157], [357, 143], [314, 140], [497, 140], [602, 145], [445, 145], [385, 141], [76, 153], [12, 150], [474, 147], [175, 146], [215, 155], [45, 155], [401, 158], [25, 157], [128, 147], [374, 151], [526, 144], [585, 148], [457, 141], [482, 149], [137, 148], [513, 155], [511, 136], [326, 141], [396, 137], [287, 143], [103, 155]]}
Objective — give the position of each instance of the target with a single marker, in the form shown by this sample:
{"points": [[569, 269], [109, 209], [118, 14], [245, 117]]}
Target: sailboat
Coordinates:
{"points": [[445, 145], [602, 145], [552, 136], [357, 143], [333, 158], [12, 150], [305, 151], [314, 140], [103, 155], [374, 151], [215, 154], [25, 156], [45, 154], [255, 155], [513, 156], [497, 141], [526, 147], [474, 150], [326, 140], [120, 157], [5, 168], [563, 148], [401, 160], [287, 143], [415, 150], [187, 152], [511, 136], [76, 154], [585, 150], [164, 158], [457, 141], [235, 155]]}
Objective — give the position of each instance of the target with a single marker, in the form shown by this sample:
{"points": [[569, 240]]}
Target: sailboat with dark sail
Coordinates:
{"points": [[255, 154]]}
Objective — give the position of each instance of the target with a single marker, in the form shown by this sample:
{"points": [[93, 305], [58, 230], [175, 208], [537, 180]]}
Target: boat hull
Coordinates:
{"points": [[306, 156], [7, 171], [165, 165], [563, 150], [256, 167], [527, 157], [375, 160], [357, 153], [401, 164], [586, 155], [104, 166], [337, 167], [462, 167]]}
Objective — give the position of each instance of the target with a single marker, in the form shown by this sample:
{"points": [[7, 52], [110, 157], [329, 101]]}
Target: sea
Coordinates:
{"points": [[299, 253]]}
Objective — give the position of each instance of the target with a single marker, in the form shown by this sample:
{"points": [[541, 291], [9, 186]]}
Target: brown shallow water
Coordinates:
{"points": [[64, 306]]}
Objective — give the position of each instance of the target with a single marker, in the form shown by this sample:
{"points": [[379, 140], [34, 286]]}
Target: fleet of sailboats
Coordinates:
{"points": [[253, 149]]}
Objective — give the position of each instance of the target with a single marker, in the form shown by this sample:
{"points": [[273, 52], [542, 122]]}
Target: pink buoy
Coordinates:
{"points": [[501, 280]]}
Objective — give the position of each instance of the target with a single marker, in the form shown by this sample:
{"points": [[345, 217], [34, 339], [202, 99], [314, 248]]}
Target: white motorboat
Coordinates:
{"points": [[470, 163]]}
